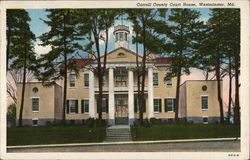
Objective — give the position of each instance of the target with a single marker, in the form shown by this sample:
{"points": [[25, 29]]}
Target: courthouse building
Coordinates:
{"points": [[198, 99]]}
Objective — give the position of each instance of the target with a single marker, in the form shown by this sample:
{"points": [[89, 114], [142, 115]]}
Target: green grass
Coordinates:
{"points": [[184, 131], [54, 135]]}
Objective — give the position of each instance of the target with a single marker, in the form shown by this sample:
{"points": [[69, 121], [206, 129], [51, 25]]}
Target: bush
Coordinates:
{"points": [[11, 115], [54, 123], [146, 123], [152, 120]]}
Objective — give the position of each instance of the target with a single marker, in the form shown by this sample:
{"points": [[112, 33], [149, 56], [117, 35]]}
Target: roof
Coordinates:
{"points": [[163, 60]]}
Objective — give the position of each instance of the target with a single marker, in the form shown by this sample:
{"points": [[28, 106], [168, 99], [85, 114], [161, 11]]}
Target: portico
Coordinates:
{"points": [[121, 90]]}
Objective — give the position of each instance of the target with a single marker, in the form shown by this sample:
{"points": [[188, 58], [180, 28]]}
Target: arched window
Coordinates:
{"points": [[120, 54]]}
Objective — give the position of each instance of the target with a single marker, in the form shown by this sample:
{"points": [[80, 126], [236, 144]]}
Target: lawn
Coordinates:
{"points": [[184, 131], [54, 135]]}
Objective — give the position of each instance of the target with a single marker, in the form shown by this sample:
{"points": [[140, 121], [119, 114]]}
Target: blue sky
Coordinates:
{"points": [[38, 27]]}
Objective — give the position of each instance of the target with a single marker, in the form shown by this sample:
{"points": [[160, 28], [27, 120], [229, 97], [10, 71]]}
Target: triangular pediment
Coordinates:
{"points": [[121, 55]]}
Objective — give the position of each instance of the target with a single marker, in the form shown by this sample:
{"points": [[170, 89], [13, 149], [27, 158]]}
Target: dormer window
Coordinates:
{"points": [[120, 55]]}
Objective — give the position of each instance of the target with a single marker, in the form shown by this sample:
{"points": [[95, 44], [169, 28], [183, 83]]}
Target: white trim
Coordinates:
{"points": [[203, 119], [32, 104], [201, 102], [37, 121]]}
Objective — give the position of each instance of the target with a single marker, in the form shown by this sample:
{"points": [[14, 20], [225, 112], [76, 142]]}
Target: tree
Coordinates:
{"points": [[221, 47], [182, 37], [11, 114], [64, 41], [22, 52], [94, 24], [144, 23], [15, 21]]}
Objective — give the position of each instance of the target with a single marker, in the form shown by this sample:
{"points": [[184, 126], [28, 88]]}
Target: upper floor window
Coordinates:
{"points": [[86, 79], [121, 78], [204, 102], [169, 104], [35, 104], [72, 106], [155, 79], [72, 80], [157, 105], [169, 79]]}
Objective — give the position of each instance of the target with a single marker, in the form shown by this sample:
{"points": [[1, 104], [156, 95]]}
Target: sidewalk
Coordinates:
{"points": [[123, 143]]}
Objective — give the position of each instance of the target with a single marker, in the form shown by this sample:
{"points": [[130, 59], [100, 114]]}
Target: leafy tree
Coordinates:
{"points": [[11, 114], [220, 48], [182, 34], [22, 51], [144, 24], [94, 24], [64, 41]]}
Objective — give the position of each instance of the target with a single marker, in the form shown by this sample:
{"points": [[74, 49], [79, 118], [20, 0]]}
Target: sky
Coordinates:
{"points": [[38, 27]]}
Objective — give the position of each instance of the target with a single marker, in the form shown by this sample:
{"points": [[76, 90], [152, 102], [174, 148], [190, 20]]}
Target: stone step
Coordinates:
{"points": [[118, 133]]}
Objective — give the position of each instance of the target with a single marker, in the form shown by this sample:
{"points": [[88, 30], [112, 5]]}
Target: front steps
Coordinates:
{"points": [[118, 133]]}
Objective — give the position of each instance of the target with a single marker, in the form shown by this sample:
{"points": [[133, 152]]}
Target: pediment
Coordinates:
{"points": [[121, 55]]}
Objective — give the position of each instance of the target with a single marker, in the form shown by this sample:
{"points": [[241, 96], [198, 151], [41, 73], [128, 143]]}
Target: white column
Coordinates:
{"points": [[150, 93], [91, 94], [131, 97], [111, 97]]}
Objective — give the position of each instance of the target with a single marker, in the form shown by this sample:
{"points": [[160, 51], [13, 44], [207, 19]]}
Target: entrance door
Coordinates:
{"points": [[121, 111]]}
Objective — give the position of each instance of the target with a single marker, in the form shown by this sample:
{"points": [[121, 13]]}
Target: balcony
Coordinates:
{"points": [[119, 89]]}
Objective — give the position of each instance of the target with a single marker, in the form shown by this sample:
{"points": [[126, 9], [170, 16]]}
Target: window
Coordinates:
{"points": [[35, 104], [121, 36], [85, 105], [72, 80], [205, 120], [126, 36], [121, 77], [34, 122], [155, 79], [72, 106], [86, 79], [204, 102], [169, 104], [105, 105], [169, 79], [157, 105]]}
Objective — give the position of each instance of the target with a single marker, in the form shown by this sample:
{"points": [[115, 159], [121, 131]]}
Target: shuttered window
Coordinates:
{"points": [[85, 106], [157, 105], [72, 106], [169, 104]]}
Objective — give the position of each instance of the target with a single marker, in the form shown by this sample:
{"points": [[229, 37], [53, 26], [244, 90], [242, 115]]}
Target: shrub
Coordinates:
{"points": [[146, 123], [152, 120]]}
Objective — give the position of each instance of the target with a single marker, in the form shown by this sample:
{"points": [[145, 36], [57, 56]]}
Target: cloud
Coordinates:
{"points": [[41, 49]]}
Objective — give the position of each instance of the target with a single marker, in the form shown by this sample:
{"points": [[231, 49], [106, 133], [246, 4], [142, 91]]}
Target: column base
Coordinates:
{"points": [[111, 122]]}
